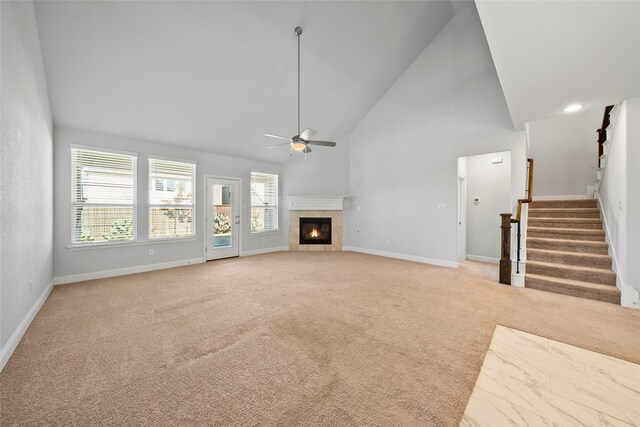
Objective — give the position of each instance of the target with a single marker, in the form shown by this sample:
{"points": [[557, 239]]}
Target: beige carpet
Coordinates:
{"points": [[283, 339]]}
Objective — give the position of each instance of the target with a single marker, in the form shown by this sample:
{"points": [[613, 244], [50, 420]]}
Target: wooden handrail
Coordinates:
{"points": [[507, 220], [529, 198], [602, 132]]}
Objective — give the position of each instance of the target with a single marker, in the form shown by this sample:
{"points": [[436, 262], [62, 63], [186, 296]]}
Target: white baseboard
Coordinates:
{"points": [[432, 261], [517, 280], [629, 297], [10, 346], [265, 251], [481, 258], [563, 197], [73, 278]]}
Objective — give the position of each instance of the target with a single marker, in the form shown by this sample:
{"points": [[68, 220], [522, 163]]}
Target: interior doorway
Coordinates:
{"points": [[462, 217], [222, 218], [484, 191]]}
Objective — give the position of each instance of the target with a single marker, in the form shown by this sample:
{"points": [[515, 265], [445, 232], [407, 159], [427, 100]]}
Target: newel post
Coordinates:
{"points": [[505, 251]]}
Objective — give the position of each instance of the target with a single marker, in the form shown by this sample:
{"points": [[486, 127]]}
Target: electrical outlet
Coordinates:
{"points": [[30, 286], [397, 243], [152, 251], [442, 206], [386, 242], [264, 239]]}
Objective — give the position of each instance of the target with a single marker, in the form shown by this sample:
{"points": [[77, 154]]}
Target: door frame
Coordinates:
{"points": [[462, 218], [240, 210]]}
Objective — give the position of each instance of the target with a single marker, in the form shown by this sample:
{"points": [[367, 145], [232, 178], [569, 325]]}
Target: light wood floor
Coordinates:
{"points": [[528, 380]]}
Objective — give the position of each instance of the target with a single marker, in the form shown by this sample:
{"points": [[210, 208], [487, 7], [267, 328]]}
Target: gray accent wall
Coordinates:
{"points": [[73, 261], [565, 152], [403, 159], [490, 183], [26, 190], [620, 199]]}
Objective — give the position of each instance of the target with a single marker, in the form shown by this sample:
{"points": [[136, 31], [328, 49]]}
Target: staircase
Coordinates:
{"points": [[567, 252]]}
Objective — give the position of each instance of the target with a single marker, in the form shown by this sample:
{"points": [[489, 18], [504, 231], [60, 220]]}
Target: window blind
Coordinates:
{"points": [[103, 186], [171, 199], [264, 202]]}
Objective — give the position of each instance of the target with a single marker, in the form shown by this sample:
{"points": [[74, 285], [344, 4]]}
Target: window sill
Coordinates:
{"points": [[263, 233], [131, 243]]}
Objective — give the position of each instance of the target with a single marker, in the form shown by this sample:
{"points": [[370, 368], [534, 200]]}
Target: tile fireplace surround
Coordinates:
{"points": [[315, 206]]}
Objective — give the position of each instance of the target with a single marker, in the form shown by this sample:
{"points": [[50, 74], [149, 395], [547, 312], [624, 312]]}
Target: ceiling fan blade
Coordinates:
{"points": [[276, 136], [306, 150], [323, 143], [307, 133], [278, 145]]}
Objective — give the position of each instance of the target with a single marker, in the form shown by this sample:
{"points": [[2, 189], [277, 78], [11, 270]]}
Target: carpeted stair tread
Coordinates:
{"points": [[568, 233], [564, 212], [571, 287], [567, 252], [569, 257], [583, 203], [601, 276], [590, 223], [581, 246]]}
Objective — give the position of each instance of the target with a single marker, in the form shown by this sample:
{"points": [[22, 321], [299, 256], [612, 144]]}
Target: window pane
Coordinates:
{"points": [[102, 177], [171, 222], [171, 192], [257, 219], [264, 202], [270, 219], [103, 199], [102, 224], [173, 182]]}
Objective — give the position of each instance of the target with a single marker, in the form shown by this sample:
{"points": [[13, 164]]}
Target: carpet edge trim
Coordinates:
{"points": [[482, 258], [629, 296], [264, 251], [18, 333], [73, 278], [423, 260]]}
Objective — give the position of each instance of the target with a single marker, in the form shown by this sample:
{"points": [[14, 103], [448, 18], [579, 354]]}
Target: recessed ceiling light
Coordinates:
{"points": [[572, 108]]}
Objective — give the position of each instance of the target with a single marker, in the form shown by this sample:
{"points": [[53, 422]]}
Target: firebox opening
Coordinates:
{"points": [[315, 231]]}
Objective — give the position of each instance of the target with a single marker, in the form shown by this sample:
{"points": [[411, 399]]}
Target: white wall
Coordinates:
{"points": [[87, 260], [26, 207], [448, 104], [619, 195], [325, 172], [491, 184], [565, 153]]}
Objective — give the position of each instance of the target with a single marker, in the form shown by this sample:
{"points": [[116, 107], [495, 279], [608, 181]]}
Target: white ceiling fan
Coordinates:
{"points": [[301, 141]]}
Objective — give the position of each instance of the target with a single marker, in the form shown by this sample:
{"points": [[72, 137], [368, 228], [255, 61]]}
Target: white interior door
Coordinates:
{"points": [[222, 218]]}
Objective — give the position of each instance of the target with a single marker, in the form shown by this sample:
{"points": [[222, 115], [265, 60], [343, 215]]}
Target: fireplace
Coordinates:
{"points": [[315, 231]]}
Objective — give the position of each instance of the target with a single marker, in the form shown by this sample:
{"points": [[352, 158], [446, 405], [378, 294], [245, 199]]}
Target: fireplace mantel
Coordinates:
{"points": [[315, 203]]}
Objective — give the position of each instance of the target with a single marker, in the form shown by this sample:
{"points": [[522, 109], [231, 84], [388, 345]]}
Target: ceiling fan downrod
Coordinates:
{"points": [[298, 31], [302, 140]]}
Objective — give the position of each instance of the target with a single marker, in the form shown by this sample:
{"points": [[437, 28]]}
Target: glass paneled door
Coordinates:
{"points": [[223, 218]]}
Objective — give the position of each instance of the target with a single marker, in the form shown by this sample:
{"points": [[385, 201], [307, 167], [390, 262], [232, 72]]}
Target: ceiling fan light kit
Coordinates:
{"points": [[301, 141]]}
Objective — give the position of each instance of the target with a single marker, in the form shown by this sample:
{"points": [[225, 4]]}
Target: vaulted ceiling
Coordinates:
{"points": [[549, 54], [215, 76]]}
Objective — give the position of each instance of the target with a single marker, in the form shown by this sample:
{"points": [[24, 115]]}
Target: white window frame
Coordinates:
{"points": [[74, 203], [277, 202], [151, 206]]}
